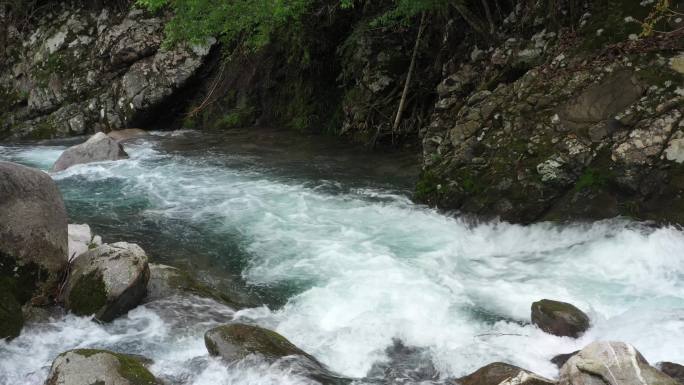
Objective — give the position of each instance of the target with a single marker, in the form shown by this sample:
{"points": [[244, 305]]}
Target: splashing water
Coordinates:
{"points": [[346, 265]]}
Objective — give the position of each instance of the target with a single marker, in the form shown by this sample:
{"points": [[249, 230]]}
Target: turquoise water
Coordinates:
{"points": [[326, 243]]}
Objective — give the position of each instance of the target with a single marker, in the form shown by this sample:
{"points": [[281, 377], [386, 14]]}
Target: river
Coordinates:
{"points": [[326, 243]]}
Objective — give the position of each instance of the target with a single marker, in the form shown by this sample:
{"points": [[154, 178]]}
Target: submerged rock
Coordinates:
{"points": [[234, 342], [559, 318], [81, 239], [611, 363], [33, 241], [166, 281], [127, 134], [93, 366], [673, 370], [107, 281], [98, 148], [561, 359], [499, 373]]}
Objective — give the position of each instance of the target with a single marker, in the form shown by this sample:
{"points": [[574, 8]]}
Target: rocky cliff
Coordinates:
{"points": [[555, 113]]}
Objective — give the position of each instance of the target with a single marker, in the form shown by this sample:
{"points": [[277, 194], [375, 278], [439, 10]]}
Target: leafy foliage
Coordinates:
{"points": [[253, 22]]}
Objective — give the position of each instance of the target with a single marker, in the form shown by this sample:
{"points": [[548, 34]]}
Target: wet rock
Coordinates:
{"points": [[33, 241], [92, 366], [166, 281], [499, 373], [404, 363], [98, 148], [234, 342], [561, 359], [81, 239], [127, 134], [611, 363], [107, 281], [559, 318], [673, 370]]}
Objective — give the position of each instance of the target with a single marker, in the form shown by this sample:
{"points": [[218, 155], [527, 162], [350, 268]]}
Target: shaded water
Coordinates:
{"points": [[327, 239]]}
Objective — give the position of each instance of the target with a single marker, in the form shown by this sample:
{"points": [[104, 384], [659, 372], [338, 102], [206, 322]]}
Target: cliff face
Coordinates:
{"points": [[546, 117], [79, 69]]}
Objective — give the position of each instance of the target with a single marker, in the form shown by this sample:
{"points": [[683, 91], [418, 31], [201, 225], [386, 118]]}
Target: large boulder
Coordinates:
{"points": [[611, 363], [107, 281], [234, 342], [33, 240], [499, 373], [559, 318], [81, 239], [97, 148], [127, 134], [91, 366]]}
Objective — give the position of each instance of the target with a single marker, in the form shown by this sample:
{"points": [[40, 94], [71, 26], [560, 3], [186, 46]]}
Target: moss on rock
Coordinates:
{"points": [[236, 341], [11, 318], [88, 295]]}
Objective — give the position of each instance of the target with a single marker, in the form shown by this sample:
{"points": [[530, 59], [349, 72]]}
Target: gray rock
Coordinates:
{"points": [[98, 148], [561, 359], [611, 363], [33, 241], [91, 366], [673, 370], [559, 318], [107, 281], [127, 134], [499, 373]]}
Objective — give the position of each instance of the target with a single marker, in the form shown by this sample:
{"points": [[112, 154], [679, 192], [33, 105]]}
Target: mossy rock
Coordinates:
{"points": [[11, 318], [234, 342], [95, 366], [559, 318], [166, 281]]}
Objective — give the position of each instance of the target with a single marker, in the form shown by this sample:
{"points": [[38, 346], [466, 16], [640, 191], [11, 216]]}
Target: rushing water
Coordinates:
{"points": [[327, 243]]}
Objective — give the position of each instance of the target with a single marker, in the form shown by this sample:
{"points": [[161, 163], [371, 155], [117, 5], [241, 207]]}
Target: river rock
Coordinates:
{"points": [[499, 373], [127, 134], [560, 359], [234, 342], [673, 370], [81, 239], [559, 318], [33, 240], [91, 366], [611, 363], [166, 281], [107, 281], [97, 148]]}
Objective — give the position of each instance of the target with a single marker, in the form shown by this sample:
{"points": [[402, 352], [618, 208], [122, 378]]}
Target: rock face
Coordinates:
{"points": [[234, 342], [107, 281], [127, 134], [673, 370], [499, 373], [82, 69], [97, 148], [33, 240], [90, 366], [559, 318], [611, 363], [81, 239]]}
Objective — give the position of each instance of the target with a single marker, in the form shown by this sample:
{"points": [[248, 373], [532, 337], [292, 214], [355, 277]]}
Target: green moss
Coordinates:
{"points": [[45, 129], [254, 339], [593, 178], [429, 187], [23, 281], [129, 368], [88, 294], [11, 318], [659, 75], [609, 16], [240, 117]]}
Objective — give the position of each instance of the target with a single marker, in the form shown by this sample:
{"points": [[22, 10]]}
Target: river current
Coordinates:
{"points": [[328, 246]]}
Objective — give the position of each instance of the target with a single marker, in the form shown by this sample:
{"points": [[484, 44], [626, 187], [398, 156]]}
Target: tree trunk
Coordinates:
{"points": [[402, 103]]}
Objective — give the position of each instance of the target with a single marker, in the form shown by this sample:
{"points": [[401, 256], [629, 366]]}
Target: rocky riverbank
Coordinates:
{"points": [[546, 119]]}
